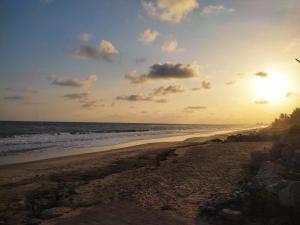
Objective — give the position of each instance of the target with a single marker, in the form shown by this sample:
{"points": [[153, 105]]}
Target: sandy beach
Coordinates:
{"points": [[141, 184]]}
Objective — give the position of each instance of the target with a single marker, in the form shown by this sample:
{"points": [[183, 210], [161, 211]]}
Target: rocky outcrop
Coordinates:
{"points": [[271, 192]]}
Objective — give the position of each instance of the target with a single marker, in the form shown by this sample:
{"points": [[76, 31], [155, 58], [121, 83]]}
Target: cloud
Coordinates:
{"points": [[216, 10], [137, 97], [26, 89], [261, 74], [191, 109], [169, 10], [148, 36], [77, 95], [135, 78], [86, 99], [292, 94], [294, 45], [171, 46], [85, 37], [231, 82], [104, 51], [171, 89], [73, 82], [239, 76], [206, 85], [17, 98], [262, 101], [165, 71]]}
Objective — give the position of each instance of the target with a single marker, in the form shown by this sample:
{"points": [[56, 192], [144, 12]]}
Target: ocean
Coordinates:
{"points": [[38, 137]]}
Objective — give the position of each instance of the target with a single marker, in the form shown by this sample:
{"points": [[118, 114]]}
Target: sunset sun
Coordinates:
{"points": [[272, 87]]}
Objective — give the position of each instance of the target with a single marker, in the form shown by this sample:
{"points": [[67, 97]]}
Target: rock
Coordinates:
{"points": [[232, 215], [268, 177], [290, 195], [54, 212]]}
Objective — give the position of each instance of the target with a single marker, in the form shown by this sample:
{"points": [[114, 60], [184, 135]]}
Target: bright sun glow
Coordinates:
{"points": [[272, 88]]}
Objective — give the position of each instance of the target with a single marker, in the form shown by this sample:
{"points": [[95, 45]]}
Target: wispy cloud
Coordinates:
{"points": [[262, 101], [231, 82], [239, 76], [73, 82], [104, 51], [292, 94], [165, 71], [191, 109], [171, 89], [17, 98], [138, 97], [171, 46], [169, 10], [24, 89], [205, 85], [261, 74], [148, 36], [85, 37], [86, 99], [293, 45], [216, 10]]}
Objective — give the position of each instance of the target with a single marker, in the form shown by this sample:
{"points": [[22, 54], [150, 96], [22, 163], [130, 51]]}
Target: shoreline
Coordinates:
{"points": [[36, 156]]}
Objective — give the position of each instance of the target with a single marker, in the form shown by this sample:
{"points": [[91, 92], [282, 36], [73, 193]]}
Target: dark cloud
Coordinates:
{"points": [[165, 71], [135, 98], [105, 51], [73, 82], [261, 74], [262, 101], [204, 85], [171, 89]]}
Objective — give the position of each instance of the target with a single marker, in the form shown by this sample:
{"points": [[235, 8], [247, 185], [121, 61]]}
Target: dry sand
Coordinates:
{"points": [[152, 184]]}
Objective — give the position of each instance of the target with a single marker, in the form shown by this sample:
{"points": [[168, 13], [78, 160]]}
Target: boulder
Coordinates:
{"points": [[290, 195]]}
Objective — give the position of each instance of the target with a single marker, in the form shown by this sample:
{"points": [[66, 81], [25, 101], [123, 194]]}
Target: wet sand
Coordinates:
{"points": [[143, 184]]}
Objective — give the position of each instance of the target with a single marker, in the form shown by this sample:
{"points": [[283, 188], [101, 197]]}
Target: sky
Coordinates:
{"points": [[154, 61]]}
